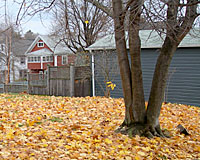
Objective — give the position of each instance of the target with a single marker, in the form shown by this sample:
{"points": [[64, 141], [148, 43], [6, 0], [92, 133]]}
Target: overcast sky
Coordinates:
{"points": [[34, 24]]}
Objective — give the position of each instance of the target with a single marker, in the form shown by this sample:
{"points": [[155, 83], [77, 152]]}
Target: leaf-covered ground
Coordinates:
{"points": [[41, 127]]}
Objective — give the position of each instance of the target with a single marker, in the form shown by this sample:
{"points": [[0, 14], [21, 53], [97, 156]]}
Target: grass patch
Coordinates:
{"points": [[55, 119]]}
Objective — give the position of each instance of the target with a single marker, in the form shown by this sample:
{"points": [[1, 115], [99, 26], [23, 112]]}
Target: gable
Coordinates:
{"points": [[50, 43], [37, 46]]}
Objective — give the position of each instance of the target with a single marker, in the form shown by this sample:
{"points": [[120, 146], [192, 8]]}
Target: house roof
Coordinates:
{"points": [[54, 44], [40, 52], [149, 39], [19, 46]]}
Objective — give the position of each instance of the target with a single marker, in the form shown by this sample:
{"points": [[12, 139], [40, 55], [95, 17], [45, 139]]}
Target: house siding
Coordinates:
{"points": [[183, 80], [34, 66], [59, 60], [45, 65]]}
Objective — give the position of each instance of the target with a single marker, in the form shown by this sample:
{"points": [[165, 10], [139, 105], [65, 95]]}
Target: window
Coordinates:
{"points": [[40, 44], [51, 58], [2, 48], [23, 74], [38, 59], [34, 59], [22, 60], [64, 59], [48, 59], [44, 59]]}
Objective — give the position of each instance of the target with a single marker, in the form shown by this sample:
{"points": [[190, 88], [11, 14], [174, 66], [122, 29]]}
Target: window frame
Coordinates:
{"points": [[22, 60], [64, 56], [40, 44], [34, 59], [47, 59]]}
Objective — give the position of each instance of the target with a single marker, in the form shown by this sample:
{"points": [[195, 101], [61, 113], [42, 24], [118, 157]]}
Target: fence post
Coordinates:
{"points": [[48, 80], [72, 74], [28, 79], [3, 87]]}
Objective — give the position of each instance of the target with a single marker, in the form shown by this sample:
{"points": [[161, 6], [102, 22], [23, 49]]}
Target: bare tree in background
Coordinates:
{"points": [[79, 24], [179, 17], [29, 8], [6, 44], [6, 52]]}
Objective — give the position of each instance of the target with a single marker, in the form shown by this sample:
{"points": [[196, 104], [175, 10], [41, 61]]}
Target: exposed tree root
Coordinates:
{"points": [[141, 130]]}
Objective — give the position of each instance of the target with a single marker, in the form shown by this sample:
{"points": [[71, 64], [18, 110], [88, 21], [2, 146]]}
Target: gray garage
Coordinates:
{"points": [[183, 84]]}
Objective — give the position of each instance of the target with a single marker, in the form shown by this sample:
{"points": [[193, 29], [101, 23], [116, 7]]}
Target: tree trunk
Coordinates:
{"points": [[136, 69], [158, 85], [134, 122], [123, 60]]}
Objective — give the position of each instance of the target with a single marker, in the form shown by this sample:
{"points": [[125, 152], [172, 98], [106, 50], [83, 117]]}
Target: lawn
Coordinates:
{"points": [[44, 127]]}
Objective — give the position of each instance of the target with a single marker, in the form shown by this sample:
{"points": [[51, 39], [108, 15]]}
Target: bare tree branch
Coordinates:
{"points": [[102, 7], [22, 4], [31, 11]]}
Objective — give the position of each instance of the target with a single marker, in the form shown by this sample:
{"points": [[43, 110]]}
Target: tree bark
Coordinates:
{"points": [[159, 83], [123, 61], [136, 68]]}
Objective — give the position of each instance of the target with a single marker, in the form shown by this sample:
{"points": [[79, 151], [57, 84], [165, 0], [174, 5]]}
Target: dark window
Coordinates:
{"points": [[23, 74], [44, 59], [47, 58], [40, 44], [22, 60], [38, 59]]}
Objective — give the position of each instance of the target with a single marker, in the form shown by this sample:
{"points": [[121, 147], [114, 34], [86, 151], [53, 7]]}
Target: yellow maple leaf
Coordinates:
{"points": [[68, 147], [108, 141], [10, 134], [137, 158], [38, 118]]}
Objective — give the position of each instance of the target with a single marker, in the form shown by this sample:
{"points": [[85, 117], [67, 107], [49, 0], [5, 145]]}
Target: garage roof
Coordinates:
{"points": [[149, 39]]}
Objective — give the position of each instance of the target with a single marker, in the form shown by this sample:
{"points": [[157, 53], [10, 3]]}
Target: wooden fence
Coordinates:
{"points": [[37, 83], [1, 88], [61, 81], [16, 87]]}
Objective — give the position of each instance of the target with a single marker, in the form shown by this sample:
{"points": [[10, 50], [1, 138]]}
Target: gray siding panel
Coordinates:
{"points": [[148, 60], [183, 85]]}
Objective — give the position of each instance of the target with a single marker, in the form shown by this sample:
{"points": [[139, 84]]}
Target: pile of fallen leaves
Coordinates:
{"points": [[44, 127]]}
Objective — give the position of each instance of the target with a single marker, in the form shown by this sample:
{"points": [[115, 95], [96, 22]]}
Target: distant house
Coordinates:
{"points": [[47, 50], [183, 85], [18, 68], [19, 47]]}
